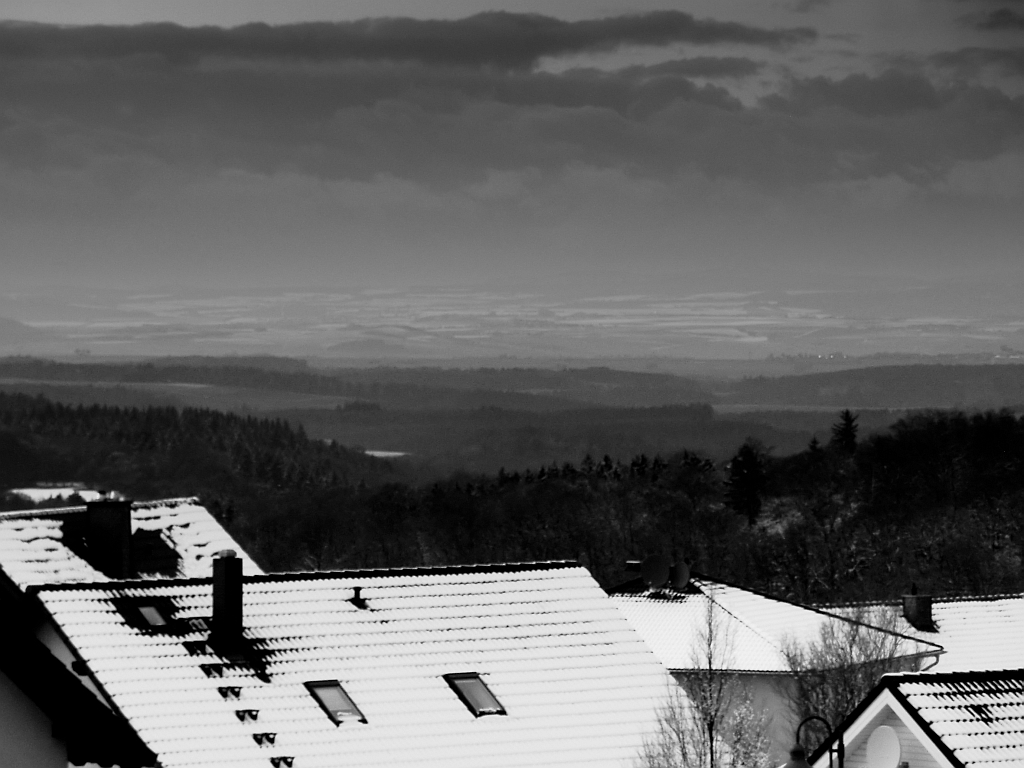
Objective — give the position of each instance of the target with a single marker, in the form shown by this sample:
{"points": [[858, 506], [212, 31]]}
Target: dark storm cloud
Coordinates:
{"points": [[495, 38], [88, 136], [128, 122], [1002, 18], [967, 62]]}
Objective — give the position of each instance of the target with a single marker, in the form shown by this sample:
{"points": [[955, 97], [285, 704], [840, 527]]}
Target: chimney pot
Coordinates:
{"points": [[917, 610], [226, 635], [108, 536]]}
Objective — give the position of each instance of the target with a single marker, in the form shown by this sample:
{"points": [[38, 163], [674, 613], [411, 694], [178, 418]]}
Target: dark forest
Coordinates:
{"points": [[934, 501]]}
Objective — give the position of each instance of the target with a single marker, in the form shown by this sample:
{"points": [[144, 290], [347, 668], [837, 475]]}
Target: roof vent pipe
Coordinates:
{"points": [[917, 610], [108, 537], [357, 599], [226, 635]]}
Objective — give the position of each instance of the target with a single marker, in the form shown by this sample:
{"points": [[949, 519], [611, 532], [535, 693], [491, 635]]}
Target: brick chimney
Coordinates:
{"points": [[917, 610], [226, 634], [108, 536]]}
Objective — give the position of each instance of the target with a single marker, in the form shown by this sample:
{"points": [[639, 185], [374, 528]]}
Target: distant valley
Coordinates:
{"points": [[482, 419]]}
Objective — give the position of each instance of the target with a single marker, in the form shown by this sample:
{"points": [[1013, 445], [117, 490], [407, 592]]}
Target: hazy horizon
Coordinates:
{"points": [[457, 178]]}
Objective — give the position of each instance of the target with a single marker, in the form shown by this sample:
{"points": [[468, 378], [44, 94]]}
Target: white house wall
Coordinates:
{"points": [[912, 751], [26, 734], [768, 694]]}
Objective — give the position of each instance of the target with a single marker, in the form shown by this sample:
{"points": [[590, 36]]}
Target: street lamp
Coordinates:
{"points": [[798, 756]]}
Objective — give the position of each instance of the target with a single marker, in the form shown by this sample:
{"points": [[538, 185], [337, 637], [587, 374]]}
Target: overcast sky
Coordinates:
{"points": [[561, 146]]}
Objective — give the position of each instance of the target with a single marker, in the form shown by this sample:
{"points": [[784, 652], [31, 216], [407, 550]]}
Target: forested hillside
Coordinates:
{"points": [[409, 388], [898, 386], [166, 451], [936, 501]]}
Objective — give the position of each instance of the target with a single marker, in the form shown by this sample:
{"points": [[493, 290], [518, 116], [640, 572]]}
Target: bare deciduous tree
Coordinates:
{"points": [[835, 672], [709, 720]]}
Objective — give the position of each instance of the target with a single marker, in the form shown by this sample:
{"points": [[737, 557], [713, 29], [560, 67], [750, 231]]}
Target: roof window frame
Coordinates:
{"points": [[454, 679], [313, 685], [136, 613]]}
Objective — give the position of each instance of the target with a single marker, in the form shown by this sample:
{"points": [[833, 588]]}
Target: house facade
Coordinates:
{"points": [[54, 713], [709, 624], [934, 720]]}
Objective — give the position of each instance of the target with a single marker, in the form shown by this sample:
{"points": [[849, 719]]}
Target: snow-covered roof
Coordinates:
{"points": [[578, 685], [33, 550], [977, 633], [961, 718], [752, 629]]}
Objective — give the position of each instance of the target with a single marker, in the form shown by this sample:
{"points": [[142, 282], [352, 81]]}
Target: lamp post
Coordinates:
{"points": [[798, 756]]}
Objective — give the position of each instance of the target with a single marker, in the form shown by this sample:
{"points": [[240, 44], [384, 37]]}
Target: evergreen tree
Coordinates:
{"points": [[747, 480], [844, 432]]}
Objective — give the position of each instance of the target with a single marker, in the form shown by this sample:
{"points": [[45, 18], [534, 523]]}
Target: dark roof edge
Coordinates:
{"points": [[56, 511], [366, 573], [923, 724], [897, 678], [895, 602]]}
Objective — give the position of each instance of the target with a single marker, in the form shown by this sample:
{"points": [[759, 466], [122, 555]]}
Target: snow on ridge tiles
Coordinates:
{"points": [[578, 684], [33, 552], [758, 626]]}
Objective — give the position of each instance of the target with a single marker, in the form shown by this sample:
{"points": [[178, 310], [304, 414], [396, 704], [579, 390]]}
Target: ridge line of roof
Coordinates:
{"points": [[814, 608], [18, 514], [834, 615], [893, 602], [710, 596], [261, 578], [957, 676]]}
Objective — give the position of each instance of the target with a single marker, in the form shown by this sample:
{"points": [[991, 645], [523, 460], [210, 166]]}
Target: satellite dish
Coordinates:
{"points": [[680, 575], [884, 748], [655, 570]]}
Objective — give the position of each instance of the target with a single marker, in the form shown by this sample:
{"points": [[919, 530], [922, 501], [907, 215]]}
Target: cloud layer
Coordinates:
{"points": [[398, 149], [487, 39]]}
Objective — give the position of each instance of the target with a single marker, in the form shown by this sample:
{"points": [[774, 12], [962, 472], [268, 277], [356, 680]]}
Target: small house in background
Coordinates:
{"points": [[52, 709], [934, 720], [112, 539], [675, 611], [510, 665], [977, 633]]}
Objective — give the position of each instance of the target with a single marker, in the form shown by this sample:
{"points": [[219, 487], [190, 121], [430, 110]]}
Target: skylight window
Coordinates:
{"points": [[152, 616], [475, 694], [148, 614], [334, 701]]}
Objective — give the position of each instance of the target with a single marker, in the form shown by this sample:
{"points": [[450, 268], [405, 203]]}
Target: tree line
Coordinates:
{"points": [[935, 501]]}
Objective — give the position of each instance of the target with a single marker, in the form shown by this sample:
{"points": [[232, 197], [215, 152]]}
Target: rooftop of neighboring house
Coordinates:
{"points": [[504, 666], [109, 539], [955, 719], [753, 629], [977, 633]]}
